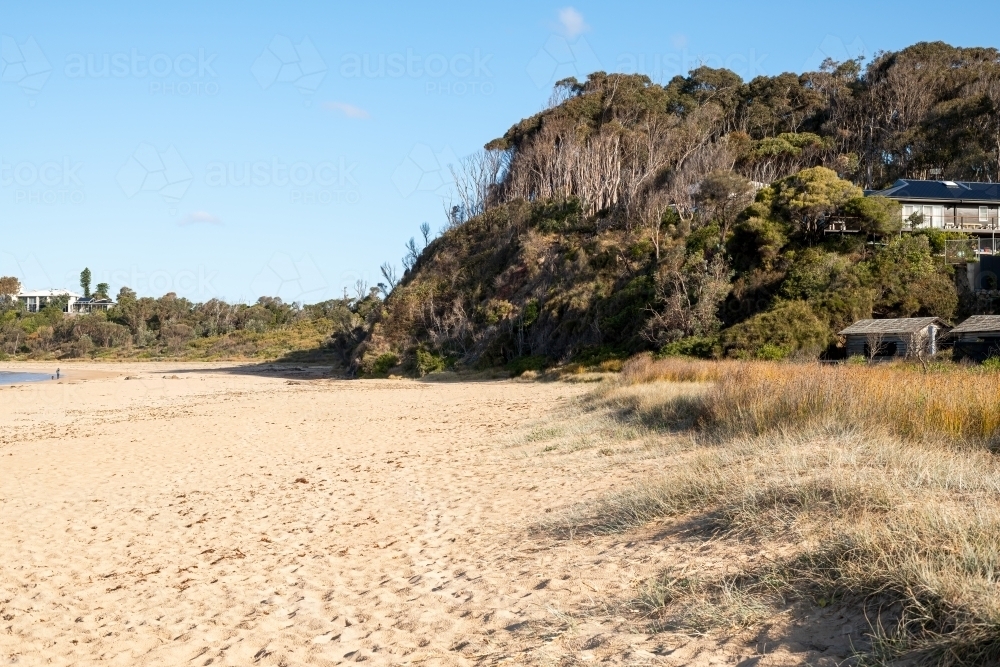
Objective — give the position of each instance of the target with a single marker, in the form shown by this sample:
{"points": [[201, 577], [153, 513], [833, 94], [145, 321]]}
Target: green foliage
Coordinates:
{"points": [[519, 365], [702, 347], [791, 328], [908, 281], [590, 357], [992, 364], [428, 362], [811, 195], [384, 362], [877, 215], [85, 282]]}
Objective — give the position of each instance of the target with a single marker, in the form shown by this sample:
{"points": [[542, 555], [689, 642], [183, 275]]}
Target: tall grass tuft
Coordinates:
{"points": [[753, 398]]}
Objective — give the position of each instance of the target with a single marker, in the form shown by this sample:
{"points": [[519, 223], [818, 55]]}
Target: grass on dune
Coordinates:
{"points": [[878, 485]]}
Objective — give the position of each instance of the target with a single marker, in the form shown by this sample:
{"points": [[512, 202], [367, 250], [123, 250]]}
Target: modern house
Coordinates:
{"points": [[970, 207], [35, 300], [977, 338], [73, 303], [885, 339]]}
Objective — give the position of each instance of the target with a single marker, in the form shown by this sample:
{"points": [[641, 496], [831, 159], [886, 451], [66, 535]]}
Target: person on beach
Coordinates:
{"points": [[57, 373]]}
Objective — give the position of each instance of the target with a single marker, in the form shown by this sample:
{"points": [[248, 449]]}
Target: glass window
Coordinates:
{"points": [[984, 214]]}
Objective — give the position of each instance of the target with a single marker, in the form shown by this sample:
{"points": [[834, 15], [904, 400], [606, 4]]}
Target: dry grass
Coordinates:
{"points": [[752, 398], [877, 485]]}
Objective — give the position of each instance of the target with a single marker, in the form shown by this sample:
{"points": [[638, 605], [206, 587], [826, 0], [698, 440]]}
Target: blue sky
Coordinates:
{"points": [[233, 150]]}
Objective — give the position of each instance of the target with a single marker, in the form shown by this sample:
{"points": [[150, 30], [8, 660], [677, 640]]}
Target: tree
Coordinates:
{"points": [[85, 282], [102, 290], [874, 344], [877, 215], [810, 196], [10, 287], [722, 196], [425, 230]]}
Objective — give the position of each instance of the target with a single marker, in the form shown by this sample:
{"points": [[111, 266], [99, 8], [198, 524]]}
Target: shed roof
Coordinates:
{"points": [[953, 191], [903, 325], [978, 323]]}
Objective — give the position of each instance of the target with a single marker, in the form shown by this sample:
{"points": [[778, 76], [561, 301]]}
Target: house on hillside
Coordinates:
{"points": [[91, 305], [73, 303], [970, 207], [886, 339], [977, 338], [34, 300]]}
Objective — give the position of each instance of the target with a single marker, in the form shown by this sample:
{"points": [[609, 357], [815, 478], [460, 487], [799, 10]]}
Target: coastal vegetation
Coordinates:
{"points": [[685, 218], [872, 490]]}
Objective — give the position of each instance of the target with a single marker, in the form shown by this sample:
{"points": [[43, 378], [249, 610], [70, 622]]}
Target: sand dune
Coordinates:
{"points": [[196, 516]]}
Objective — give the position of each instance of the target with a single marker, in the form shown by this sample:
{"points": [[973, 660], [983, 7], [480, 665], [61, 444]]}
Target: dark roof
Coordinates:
{"points": [[952, 191], [902, 325], [979, 323]]}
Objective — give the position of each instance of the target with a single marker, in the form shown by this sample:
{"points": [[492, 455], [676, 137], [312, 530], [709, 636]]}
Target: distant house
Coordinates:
{"points": [[977, 338], [971, 207], [885, 339], [91, 304], [73, 303], [35, 300]]}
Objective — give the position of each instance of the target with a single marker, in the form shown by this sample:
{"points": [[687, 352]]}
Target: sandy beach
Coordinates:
{"points": [[163, 515], [157, 514]]}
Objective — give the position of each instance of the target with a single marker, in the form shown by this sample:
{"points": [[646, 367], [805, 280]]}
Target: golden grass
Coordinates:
{"points": [[877, 486], [957, 403]]}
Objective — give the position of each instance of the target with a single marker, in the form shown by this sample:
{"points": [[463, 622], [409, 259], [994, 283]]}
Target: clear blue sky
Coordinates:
{"points": [[238, 149]]}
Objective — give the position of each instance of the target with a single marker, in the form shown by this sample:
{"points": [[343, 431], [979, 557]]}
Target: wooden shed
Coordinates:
{"points": [[977, 338], [903, 337]]}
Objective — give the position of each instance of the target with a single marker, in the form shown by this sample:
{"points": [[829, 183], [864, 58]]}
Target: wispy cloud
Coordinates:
{"points": [[348, 110], [571, 22], [200, 218]]}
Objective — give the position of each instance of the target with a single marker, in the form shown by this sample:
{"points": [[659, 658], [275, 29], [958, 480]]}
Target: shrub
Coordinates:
{"points": [[384, 362], [528, 363], [790, 329], [428, 362]]}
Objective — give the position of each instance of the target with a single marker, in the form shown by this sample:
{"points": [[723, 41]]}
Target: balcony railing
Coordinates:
{"points": [[972, 223]]}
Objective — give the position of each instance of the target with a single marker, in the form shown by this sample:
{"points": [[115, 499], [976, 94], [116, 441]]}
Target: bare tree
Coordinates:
{"points": [[412, 254], [476, 179], [920, 347], [425, 231], [389, 273], [874, 344]]}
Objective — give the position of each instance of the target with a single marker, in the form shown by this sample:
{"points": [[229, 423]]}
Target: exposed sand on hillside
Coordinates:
{"points": [[189, 515]]}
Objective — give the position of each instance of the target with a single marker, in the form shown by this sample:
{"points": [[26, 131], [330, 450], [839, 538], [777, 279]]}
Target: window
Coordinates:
{"points": [[984, 214]]}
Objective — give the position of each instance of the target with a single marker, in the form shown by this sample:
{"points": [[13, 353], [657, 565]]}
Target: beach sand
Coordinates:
{"points": [[158, 514]]}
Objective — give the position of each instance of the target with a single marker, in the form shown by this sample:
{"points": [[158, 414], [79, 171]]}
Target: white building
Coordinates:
{"points": [[34, 300]]}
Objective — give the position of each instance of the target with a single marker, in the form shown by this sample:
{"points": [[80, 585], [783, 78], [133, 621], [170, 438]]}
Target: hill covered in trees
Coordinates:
{"points": [[689, 217], [685, 218]]}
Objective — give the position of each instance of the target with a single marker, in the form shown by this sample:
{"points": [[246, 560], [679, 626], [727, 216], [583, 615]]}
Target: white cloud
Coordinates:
{"points": [[348, 110], [572, 22], [200, 218]]}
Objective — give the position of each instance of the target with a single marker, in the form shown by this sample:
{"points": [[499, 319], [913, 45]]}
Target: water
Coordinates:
{"points": [[8, 377]]}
